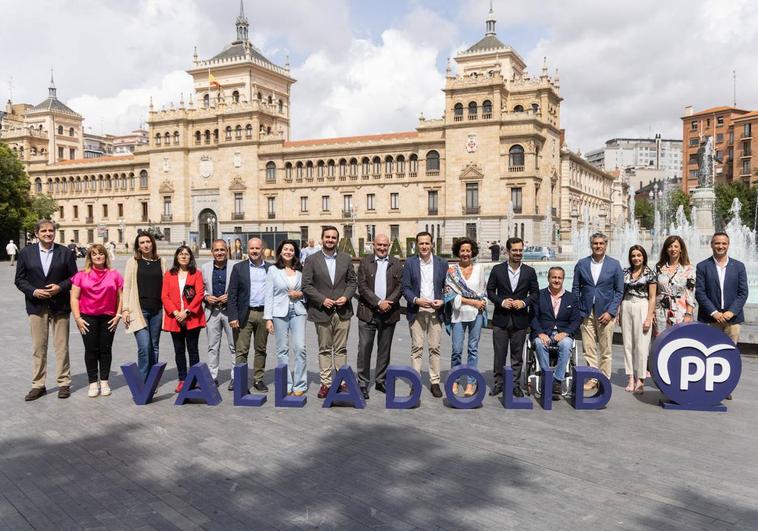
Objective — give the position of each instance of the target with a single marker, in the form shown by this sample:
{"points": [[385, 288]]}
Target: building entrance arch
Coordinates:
{"points": [[207, 223]]}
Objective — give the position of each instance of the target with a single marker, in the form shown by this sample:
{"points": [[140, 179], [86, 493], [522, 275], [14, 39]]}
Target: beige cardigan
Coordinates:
{"points": [[131, 296]]}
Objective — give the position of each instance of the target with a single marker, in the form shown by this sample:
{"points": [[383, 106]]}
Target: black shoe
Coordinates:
{"points": [[557, 390], [364, 392], [496, 390], [729, 396], [35, 393], [64, 391], [215, 380], [260, 386], [380, 387], [230, 387], [436, 391], [517, 391]]}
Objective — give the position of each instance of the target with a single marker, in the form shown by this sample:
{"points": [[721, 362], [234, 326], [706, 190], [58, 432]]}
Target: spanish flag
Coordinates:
{"points": [[212, 81]]}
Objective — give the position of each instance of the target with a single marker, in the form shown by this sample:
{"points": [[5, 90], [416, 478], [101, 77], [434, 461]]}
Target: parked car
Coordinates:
{"points": [[537, 253]]}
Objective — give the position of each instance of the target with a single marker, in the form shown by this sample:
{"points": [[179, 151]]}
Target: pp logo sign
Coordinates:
{"points": [[695, 366]]}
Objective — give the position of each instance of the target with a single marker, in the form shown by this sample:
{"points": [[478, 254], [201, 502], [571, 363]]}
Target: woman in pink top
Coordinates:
{"points": [[96, 305]]}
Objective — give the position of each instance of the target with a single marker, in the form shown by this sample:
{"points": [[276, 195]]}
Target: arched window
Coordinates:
{"points": [[176, 138], [366, 166], [487, 109], [270, 171], [131, 181], [143, 179], [167, 139], [388, 164], [330, 168], [281, 106], [249, 131], [288, 171], [260, 96], [433, 161], [157, 139], [377, 162], [320, 165], [518, 108], [309, 169], [401, 164], [516, 156], [236, 96], [33, 150], [458, 112], [38, 185], [343, 167], [49, 186], [535, 108], [215, 136], [270, 99], [207, 135], [57, 185], [198, 137], [123, 181], [472, 110], [207, 101], [70, 131], [108, 183], [78, 184], [238, 132], [413, 165], [40, 127], [268, 130], [60, 129], [353, 167], [299, 170], [228, 132]]}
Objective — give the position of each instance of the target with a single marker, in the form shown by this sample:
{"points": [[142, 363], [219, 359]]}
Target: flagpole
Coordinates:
{"points": [[209, 86]]}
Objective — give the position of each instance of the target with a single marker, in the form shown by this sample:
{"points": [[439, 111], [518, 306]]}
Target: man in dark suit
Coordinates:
{"points": [[512, 287], [721, 289], [599, 286], [329, 284], [380, 279], [246, 297], [555, 321], [43, 274], [423, 283]]}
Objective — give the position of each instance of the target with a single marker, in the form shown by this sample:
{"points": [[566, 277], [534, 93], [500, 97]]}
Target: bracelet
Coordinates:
{"points": [[688, 314]]}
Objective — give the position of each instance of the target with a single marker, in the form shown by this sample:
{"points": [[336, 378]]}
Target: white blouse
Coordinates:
{"points": [[463, 313]]}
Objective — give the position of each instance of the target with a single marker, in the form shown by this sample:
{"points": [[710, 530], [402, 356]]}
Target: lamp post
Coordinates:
{"points": [[211, 222]]}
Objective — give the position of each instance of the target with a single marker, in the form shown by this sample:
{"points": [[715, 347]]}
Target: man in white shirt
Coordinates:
{"points": [[11, 250]]}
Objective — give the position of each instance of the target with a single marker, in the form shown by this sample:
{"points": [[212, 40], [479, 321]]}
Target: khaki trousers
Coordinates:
{"points": [[595, 334], [732, 330], [40, 330], [426, 325], [636, 342], [255, 327], [332, 346]]}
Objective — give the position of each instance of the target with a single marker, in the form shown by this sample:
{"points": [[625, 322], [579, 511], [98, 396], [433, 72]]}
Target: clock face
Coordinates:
{"points": [[206, 167]]}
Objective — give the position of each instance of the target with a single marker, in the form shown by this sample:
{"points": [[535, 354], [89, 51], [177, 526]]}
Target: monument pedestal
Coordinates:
{"points": [[704, 202]]}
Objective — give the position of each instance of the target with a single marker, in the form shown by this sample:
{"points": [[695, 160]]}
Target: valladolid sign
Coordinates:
{"points": [[695, 366]]}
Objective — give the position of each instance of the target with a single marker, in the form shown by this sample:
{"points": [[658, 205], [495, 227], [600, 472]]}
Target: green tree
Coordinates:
{"points": [[15, 203], [643, 211], [725, 195], [676, 198], [42, 207]]}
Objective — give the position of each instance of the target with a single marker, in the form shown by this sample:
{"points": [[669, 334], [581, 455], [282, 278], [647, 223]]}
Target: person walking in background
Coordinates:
{"points": [[142, 305], [513, 288], [247, 296], [637, 314], [96, 295], [329, 283], [721, 290], [11, 250], [216, 275], [380, 279], [675, 293], [182, 297], [599, 286], [285, 313], [43, 275], [465, 290], [423, 287], [312, 248]]}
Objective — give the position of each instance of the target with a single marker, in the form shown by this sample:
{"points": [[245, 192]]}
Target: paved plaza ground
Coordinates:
{"points": [[105, 463]]}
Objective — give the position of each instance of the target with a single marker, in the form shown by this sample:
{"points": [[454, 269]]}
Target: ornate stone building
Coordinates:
{"points": [[222, 164]]}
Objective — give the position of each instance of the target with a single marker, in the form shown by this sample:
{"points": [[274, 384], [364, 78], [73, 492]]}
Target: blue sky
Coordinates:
{"points": [[627, 68]]}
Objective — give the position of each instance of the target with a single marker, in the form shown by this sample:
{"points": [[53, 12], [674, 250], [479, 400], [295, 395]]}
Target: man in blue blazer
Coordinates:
{"points": [[599, 286], [216, 276], [244, 308], [556, 318], [43, 274], [423, 283]]}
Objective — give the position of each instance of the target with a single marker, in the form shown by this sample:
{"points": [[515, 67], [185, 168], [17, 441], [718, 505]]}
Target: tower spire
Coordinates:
{"points": [[242, 24], [51, 89], [491, 21]]}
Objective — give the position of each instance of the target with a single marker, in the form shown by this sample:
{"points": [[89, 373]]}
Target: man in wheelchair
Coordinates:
{"points": [[556, 319]]}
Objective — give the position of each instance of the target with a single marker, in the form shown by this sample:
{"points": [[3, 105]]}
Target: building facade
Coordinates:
{"points": [[222, 163], [659, 157]]}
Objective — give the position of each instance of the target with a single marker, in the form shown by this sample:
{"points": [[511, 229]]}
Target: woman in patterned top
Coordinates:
{"points": [[675, 299], [637, 311]]}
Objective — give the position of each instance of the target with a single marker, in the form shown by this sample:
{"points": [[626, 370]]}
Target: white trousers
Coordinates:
{"points": [[636, 342]]}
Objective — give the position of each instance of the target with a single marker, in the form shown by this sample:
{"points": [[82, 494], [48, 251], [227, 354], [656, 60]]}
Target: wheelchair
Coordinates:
{"points": [[531, 373]]}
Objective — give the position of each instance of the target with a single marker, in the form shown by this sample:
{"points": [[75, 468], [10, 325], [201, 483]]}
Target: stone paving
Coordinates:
{"points": [[105, 463]]}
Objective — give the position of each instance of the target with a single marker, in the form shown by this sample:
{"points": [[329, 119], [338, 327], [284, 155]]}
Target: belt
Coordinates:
{"points": [[256, 308]]}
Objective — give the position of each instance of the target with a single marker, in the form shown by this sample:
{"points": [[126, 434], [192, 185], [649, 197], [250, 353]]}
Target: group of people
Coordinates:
{"points": [[246, 301]]}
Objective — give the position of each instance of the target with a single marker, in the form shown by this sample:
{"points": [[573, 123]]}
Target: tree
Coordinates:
{"points": [[677, 198], [643, 211], [725, 195], [15, 203], [42, 207]]}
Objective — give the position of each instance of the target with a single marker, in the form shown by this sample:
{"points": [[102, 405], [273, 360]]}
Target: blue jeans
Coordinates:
{"points": [[564, 354], [294, 326], [148, 342], [474, 332]]}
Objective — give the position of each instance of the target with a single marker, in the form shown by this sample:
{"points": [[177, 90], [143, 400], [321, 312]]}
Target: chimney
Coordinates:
{"points": [[689, 111]]}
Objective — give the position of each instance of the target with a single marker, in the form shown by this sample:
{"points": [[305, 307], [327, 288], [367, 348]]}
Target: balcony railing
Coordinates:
{"points": [[237, 216], [458, 118], [347, 214], [165, 218], [433, 173], [272, 215], [517, 209], [471, 210], [472, 116], [516, 169], [432, 212], [487, 116]]}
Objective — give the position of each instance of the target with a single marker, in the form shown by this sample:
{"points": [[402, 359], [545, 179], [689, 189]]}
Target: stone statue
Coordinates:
{"points": [[705, 163]]}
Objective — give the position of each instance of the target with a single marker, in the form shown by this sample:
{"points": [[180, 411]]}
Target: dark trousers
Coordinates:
{"points": [[98, 342], [185, 339], [502, 338], [366, 333]]}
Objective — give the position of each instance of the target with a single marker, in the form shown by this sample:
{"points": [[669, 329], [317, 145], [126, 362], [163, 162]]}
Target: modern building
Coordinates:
{"points": [[655, 158], [222, 163]]}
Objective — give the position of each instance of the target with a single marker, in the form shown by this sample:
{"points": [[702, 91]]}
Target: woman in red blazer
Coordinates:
{"points": [[182, 295]]}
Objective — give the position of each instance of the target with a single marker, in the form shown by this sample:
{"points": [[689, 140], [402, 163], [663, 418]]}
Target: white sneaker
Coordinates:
{"points": [[94, 390], [105, 389]]}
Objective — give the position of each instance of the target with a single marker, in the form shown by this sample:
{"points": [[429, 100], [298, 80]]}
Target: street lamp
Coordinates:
{"points": [[211, 221]]}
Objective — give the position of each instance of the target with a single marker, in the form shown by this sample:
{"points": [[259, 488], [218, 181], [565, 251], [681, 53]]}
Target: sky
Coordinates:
{"points": [[627, 68]]}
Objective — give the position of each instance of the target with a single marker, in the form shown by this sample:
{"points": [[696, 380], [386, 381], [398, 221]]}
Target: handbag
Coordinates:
{"points": [[189, 292]]}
